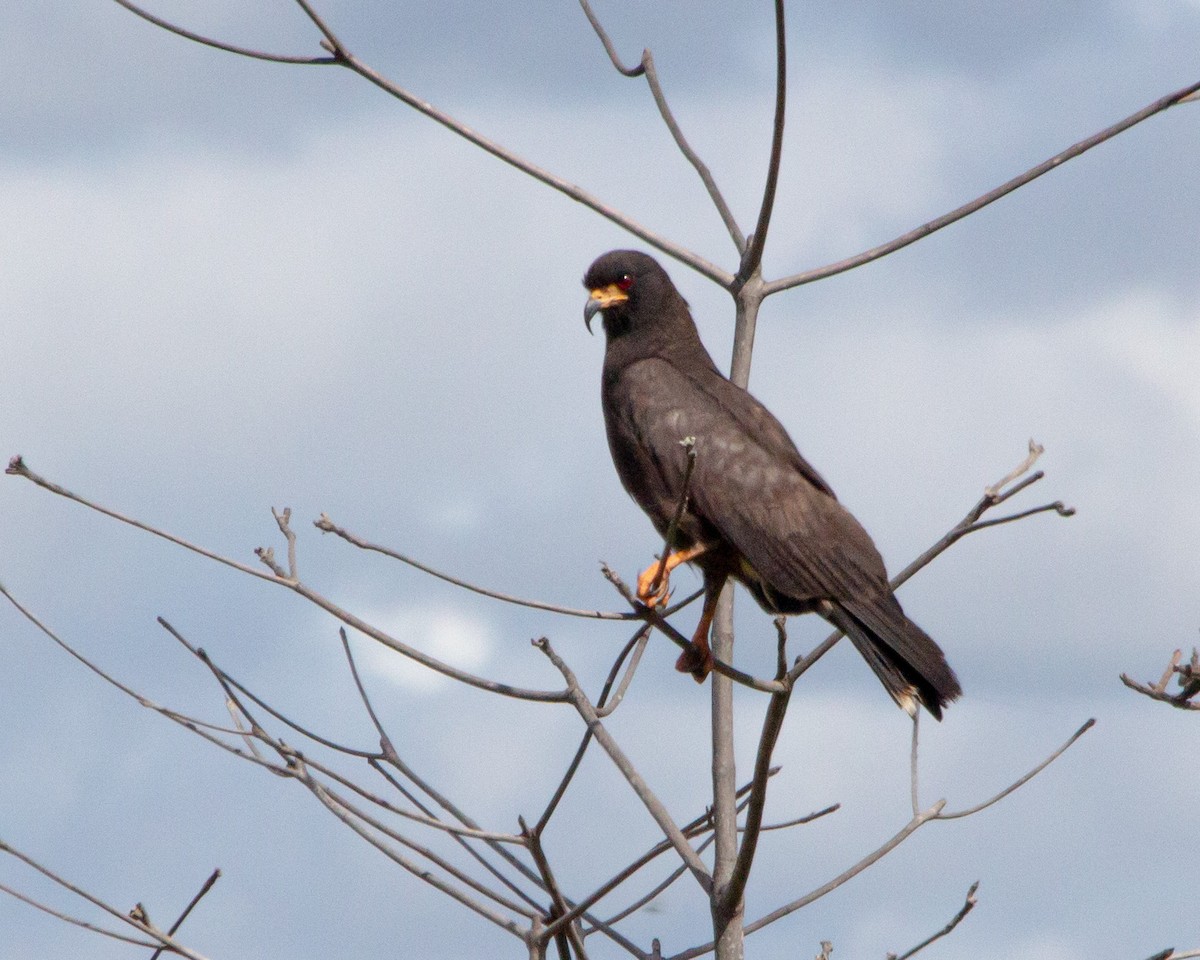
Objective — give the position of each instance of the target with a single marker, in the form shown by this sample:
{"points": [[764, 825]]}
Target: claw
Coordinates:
{"points": [[651, 590]]}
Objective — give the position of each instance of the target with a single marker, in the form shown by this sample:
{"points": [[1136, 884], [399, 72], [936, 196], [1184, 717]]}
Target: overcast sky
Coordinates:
{"points": [[229, 285]]}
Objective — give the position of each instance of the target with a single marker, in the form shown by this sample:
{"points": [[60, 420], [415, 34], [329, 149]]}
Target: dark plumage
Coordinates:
{"points": [[757, 511]]}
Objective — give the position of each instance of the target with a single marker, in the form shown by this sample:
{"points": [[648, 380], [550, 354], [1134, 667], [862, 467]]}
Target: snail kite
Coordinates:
{"points": [[756, 511]]}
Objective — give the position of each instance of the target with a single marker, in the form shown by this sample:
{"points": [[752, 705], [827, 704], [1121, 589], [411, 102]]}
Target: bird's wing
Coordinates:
{"points": [[749, 484]]}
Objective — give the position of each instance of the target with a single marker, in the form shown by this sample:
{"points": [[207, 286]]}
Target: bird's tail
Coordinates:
{"points": [[911, 667]]}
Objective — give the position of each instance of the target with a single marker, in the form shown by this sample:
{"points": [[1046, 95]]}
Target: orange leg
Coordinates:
{"points": [[654, 581], [698, 659]]}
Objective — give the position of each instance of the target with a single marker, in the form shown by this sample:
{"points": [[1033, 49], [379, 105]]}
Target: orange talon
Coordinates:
{"points": [[654, 582]]}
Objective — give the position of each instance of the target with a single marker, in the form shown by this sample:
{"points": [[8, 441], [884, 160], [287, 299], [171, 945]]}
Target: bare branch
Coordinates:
{"points": [[752, 259], [903, 834], [658, 619], [17, 467], [204, 888], [875, 253], [142, 926], [567, 933], [1023, 780], [75, 921], [399, 859], [967, 907], [636, 645], [689, 445], [446, 804], [693, 829], [344, 58], [220, 45], [284, 521], [578, 194], [651, 802], [969, 524], [800, 821], [646, 68], [1188, 676], [325, 525], [731, 896]]}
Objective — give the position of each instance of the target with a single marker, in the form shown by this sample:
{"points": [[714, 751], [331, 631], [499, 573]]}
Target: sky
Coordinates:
{"points": [[227, 286]]}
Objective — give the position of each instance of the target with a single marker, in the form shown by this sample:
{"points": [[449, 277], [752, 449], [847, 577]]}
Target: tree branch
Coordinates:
{"points": [[221, 45], [326, 525], [1017, 784], [17, 467], [967, 907], [752, 259], [646, 68], [651, 802], [875, 253], [1188, 676], [143, 926]]}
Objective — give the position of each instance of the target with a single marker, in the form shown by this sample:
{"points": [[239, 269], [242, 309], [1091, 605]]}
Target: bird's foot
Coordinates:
{"points": [[654, 585], [697, 660]]}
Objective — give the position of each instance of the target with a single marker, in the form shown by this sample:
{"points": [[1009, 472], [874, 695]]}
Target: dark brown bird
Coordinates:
{"points": [[756, 510]]}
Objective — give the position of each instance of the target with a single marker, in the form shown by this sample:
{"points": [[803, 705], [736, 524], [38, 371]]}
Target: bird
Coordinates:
{"points": [[754, 510]]}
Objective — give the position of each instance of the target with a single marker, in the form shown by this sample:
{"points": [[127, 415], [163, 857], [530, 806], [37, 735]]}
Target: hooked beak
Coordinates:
{"points": [[601, 299]]}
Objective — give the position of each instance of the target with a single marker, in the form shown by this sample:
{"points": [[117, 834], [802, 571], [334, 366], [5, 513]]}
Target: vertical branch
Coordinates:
{"points": [[772, 726], [752, 260], [727, 926]]}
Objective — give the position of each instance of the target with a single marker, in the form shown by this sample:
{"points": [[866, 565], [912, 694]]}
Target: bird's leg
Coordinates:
{"points": [[698, 659], [655, 580]]}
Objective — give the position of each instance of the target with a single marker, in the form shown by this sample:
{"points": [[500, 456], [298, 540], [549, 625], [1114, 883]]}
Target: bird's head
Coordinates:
{"points": [[620, 280]]}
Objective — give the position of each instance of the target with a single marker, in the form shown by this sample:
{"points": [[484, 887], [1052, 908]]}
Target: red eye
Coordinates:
{"points": [[625, 282]]}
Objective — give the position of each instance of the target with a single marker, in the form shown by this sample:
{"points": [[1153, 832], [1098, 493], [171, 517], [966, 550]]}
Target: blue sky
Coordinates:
{"points": [[227, 286]]}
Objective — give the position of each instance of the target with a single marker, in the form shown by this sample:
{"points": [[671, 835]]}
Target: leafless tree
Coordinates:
{"points": [[509, 877]]}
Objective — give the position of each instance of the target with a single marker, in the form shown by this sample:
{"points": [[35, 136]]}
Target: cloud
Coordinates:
{"points": [[1155, 339], [445, 633]]}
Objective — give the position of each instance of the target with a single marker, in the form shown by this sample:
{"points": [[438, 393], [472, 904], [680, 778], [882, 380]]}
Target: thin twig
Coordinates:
{"points": [[204, 888], [326, 525], [651, 802], [1023, 780], [221, 45], [752, 258], [451, 808], [658, 620], [913, 766], [342, 57], [903, 834], [568, 933], [17, 467], [992, 497], [875, 253], [75, 921], [966, 908], [142, 927], [646, 68], [415, 869], [689, 445], [800, 821], [1188, 676], [691, 830], [636, 644]]}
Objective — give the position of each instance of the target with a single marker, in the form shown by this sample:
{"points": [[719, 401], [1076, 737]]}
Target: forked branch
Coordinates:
{"points": [[1187, 675]]}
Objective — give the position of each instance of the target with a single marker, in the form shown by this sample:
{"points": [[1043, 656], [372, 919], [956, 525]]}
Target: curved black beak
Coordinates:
{"points": [[590, 310]]}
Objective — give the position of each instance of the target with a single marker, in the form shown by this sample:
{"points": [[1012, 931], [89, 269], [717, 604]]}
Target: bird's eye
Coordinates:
{"points": [[625, 282]]}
